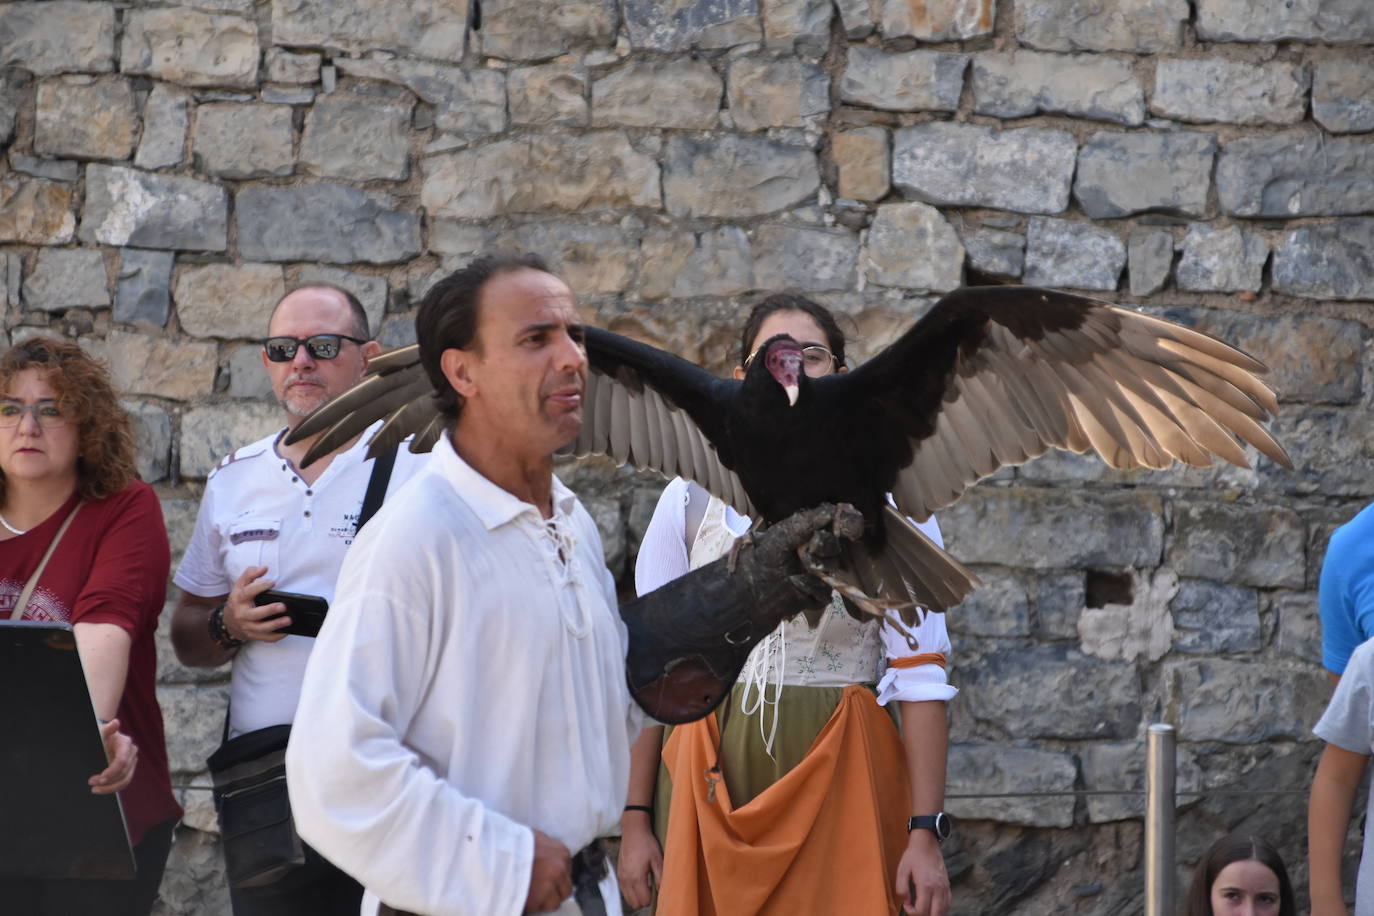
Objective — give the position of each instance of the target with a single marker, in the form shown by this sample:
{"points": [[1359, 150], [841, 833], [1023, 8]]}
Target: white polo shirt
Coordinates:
{"points": [[258, 511]]}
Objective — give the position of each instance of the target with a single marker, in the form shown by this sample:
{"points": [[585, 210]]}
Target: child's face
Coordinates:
{"points": [[1246, 888]]}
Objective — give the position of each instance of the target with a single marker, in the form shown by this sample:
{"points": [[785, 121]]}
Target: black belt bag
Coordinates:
{"points": [[260, 841]]}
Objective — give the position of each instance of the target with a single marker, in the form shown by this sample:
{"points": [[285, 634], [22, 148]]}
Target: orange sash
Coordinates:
{"points": [[825, 838]]}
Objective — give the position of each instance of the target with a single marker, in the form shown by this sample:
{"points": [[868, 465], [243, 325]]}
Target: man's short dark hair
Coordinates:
{"points": [[355, 308], [447, 319]]}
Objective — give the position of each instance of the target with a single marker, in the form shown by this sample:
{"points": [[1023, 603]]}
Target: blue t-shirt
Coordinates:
{"points": [[1347, 590]]}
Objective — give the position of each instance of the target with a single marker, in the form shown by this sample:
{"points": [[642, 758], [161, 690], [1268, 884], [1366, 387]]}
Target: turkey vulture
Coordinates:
{"points": [[991, 376]]}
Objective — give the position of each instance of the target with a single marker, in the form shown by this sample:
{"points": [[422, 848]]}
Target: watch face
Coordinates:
{"points": [[943, 826]]}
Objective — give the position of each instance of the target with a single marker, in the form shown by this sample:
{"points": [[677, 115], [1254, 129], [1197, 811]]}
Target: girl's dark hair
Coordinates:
{"points": [[1235, 847], [447, 319], [791, 302]]}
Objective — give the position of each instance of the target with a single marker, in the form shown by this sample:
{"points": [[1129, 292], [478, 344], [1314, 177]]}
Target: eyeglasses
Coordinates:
{"points": [[45, 414], [816, 360], [319, 346]]}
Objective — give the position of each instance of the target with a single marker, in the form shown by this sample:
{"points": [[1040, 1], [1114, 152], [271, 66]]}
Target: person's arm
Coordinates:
{"points": [[243, 620], [1338, 778], [922, 882], [104, 651], [640, 855]]}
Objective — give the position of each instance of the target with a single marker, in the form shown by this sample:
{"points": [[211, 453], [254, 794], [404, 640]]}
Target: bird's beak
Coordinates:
{"points": [[792, 392]]}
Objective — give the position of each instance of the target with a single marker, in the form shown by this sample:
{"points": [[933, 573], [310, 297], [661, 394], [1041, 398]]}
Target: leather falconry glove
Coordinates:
{"points": [[689, 639]]}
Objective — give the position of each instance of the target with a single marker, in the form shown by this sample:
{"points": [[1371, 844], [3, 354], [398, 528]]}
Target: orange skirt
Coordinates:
{"points": [[825, 838]]}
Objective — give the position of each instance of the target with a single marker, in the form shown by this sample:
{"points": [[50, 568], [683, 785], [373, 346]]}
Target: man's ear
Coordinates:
{"points": [[369, 350], [457, 365]]}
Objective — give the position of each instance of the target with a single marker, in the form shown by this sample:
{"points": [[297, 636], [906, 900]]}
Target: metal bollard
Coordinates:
{"points": [[1160, 785]]}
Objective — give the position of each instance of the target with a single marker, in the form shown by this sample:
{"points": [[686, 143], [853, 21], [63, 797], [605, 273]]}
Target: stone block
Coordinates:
{"points": [[143, 294], [152, 428], [462, 240], [1343, 95], [52, 169], [13, 86], [64, 278], [538, 30], [36, 212], [803, 25], [323, 222], [1051, 691], [228, 300], [211, 431], [247, 378], [1222, 260], [1299, 626], [549, 94], [194, 880], [397, 331], [1058, 599], [85, 118], [1054, 529], [1262, 546], [357, 137], [140, 364], [1233, 91], [561, 173], [370, 290], [589, 258], [678, 265], [58, 36], [1215, 619], [1149, 256], [808, 258], [277, 95], [166, 116], [1296, 175], [654, 26], [194, 723], [1245, 702], [1327, 261], [856, 18], [777, 93], [1024, 773], [1119, 766], [297, 68], [909, 81], [244, 140], [191, 48], [1302, 20], [864, 160], [1120, 174], [992, 251], [1026, 83], [467, 103], [1138, 26], [1026, 170], [999, 606], [911, 246], [734, 175], [936, 20], [1332, 449], [126, 207], [421, 28], [683, 94], [1068, 253]]}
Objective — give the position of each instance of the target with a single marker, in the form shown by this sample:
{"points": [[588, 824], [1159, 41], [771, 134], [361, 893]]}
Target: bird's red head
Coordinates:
{"points": [[782, 357]]}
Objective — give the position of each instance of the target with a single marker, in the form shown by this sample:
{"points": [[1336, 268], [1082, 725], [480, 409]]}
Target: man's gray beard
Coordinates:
{"points": [[298, 412]]}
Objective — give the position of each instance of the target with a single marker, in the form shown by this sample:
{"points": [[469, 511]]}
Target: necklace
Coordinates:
{"points": [[13, 530]]}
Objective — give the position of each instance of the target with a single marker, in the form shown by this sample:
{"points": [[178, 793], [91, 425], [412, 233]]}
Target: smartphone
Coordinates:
{"points": [[306, 611]]}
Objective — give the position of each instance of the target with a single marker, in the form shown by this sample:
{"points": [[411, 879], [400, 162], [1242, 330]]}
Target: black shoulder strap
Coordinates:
{"points": [[376, 485]]}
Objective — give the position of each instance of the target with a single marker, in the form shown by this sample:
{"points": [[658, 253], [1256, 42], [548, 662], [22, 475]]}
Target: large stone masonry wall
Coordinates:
{"points": [[170, 169]]}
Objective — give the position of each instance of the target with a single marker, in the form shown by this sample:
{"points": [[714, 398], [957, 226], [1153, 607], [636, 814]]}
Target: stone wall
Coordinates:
{"points": [[169, 170]]}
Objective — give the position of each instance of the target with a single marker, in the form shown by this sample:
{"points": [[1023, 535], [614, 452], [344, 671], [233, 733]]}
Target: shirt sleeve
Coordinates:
{"points": [[201, 572], [1347, 721], [359, 794], [1346, 597], [663, 552], [917, 656], [128, 579]]}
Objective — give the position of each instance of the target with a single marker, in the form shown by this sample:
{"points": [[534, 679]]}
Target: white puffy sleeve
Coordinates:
{"points": [[917, 657], [663, 554]]}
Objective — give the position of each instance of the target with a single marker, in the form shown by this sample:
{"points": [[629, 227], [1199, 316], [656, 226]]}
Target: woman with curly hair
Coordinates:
{"points": [[67, 477]]}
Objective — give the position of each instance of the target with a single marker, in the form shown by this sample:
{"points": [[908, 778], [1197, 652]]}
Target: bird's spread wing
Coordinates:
{"points": [[646, 407], [995, 376], [642, 406]]}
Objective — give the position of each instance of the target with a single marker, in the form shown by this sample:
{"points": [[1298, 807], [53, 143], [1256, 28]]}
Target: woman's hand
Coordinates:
{"points": [[122, 754], [640, 866], [922, 882]]}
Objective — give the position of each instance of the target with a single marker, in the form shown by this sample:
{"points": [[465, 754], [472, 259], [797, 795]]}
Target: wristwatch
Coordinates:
{"points": [[938, 823], [219, 633]]}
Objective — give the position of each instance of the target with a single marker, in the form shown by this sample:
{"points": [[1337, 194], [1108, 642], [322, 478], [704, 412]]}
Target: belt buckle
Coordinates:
{"points": [[589, 866]]}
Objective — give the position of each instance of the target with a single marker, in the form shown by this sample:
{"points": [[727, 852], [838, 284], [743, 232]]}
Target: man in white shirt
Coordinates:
{"points": [[265, 522]]}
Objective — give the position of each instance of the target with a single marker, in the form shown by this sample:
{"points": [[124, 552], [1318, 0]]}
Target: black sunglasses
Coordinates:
{"points": [[319, 346]]}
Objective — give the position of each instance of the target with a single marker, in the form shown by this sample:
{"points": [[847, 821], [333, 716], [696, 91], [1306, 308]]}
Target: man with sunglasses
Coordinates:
{"points": [[266, 522]]}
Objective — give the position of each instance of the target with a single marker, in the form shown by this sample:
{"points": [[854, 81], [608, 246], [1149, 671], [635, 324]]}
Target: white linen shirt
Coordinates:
{"points": [[258, 511], [470, 687]]}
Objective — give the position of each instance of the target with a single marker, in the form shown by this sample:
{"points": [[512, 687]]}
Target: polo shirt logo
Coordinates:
{"points": [[253, 534]]}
